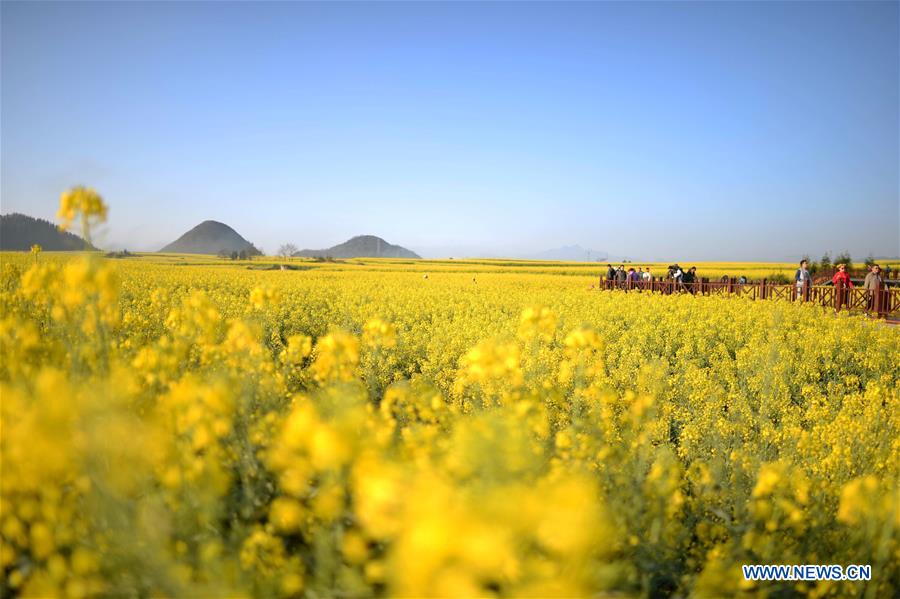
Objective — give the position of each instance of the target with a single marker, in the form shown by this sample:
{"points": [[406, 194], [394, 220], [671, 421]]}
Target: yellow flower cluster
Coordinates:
{"points": [[195, 431], [261, 297], [84, 203]]}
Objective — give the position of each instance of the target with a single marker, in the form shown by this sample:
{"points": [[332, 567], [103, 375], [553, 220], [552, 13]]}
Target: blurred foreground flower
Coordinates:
{"points": [[84, 203]]}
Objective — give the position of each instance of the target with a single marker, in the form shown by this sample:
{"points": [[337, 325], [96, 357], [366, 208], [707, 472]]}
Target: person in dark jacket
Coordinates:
{"points": [[689, 278], [610, 273]]}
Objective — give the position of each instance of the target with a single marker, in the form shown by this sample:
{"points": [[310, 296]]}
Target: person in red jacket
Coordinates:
{"points": [[841, 275]]}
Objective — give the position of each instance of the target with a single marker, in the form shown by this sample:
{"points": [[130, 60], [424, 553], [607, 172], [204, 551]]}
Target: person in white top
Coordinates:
{"points": [[678, 277], [646, 274], [802, 278]]}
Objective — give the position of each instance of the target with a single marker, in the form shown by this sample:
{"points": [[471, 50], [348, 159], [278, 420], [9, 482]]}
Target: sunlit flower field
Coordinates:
{"points": [[192, 427]]}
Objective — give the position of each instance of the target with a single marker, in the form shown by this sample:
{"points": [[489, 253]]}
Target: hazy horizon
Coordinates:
{"points": [[654, 131]]}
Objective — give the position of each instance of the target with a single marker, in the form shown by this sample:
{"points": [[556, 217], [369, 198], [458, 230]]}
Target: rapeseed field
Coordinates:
{"points": [[188, 427]]}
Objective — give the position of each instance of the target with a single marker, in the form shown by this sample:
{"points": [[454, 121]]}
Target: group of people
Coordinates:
{"points": [[681, 277], [621, 276], [685, 279], [873, 280]]}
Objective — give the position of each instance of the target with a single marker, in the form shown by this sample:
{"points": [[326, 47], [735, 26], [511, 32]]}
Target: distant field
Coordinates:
{"points": [[712, 270]]}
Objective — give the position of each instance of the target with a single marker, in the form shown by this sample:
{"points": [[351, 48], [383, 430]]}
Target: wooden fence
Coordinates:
{"points": [[883, 302]]}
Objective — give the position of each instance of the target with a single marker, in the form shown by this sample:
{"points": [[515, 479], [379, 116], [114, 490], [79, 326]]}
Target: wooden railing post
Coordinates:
{"points": [[762, 289], [878, 300], [838, 294]]}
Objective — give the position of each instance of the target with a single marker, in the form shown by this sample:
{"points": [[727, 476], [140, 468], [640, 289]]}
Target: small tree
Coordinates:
{"points": [[242, 255], [287, 250], [234, 255], [870, 260], [811, 266], [844, 258], [825, 261]]}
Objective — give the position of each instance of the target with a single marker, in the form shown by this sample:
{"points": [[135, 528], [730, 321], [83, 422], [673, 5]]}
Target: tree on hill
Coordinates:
{"points": [[18, 232]]}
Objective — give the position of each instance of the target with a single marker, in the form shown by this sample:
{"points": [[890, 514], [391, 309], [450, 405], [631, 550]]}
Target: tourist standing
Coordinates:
{"points": [[690, 278], [802, 279], [842, 277], [678, 276], [872, 284]]}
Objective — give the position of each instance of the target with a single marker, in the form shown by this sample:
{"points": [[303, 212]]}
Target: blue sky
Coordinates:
{"points": [[718, 131]]}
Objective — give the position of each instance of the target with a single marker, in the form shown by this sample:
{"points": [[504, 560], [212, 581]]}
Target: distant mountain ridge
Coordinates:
{"points": [[361, 246], [210, 237], [18, 232]]}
